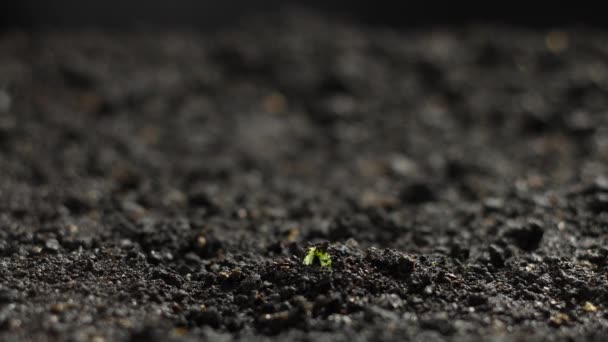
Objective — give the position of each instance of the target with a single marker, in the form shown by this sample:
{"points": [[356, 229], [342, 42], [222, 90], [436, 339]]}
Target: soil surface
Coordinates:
{"points": [[160, 186]]}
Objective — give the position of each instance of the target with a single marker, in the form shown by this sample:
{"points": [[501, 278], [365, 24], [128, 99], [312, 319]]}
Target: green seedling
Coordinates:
{"points": [[316, 253]]}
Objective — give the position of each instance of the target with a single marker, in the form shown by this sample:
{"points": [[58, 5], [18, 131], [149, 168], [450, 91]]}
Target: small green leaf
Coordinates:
{"points": [[310, 257], [315, 253], [324, 259]]}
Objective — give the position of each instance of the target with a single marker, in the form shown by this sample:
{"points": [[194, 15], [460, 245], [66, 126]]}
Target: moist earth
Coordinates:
{"points": [[163, 186]]}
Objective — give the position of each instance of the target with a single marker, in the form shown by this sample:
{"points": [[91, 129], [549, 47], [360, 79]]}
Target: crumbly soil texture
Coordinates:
{"points": [[167, 186]]}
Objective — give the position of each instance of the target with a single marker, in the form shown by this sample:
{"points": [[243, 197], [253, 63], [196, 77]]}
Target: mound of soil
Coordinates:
{"points": [[160, 186]]}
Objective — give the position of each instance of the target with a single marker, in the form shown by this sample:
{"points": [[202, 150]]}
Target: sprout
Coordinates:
{"points": [[321, 255]]}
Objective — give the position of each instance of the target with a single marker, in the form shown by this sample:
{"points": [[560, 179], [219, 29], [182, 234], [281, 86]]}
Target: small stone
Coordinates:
{"points": [[293, 234], [125, 243], [58, 308], [390, 301], [155, 256], [125, 323], [52, 244], [493, 204], [559, 319], [403, 166], [72, 228], [580, 122], [340, 319], [589, 307], [180, 331], [601, 184], [201, 241]]}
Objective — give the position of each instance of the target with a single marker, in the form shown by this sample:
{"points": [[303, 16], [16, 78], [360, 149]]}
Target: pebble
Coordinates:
{"points": [[589, 307], [52, 244], [403, 166], [58, 308], [493, 204], [559, 319]]}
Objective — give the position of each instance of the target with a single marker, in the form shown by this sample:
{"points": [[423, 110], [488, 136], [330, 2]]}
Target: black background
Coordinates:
{"points": [[201, 14]]}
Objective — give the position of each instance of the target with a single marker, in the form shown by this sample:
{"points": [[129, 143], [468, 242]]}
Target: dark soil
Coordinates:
{"points": [[158, 186]]}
